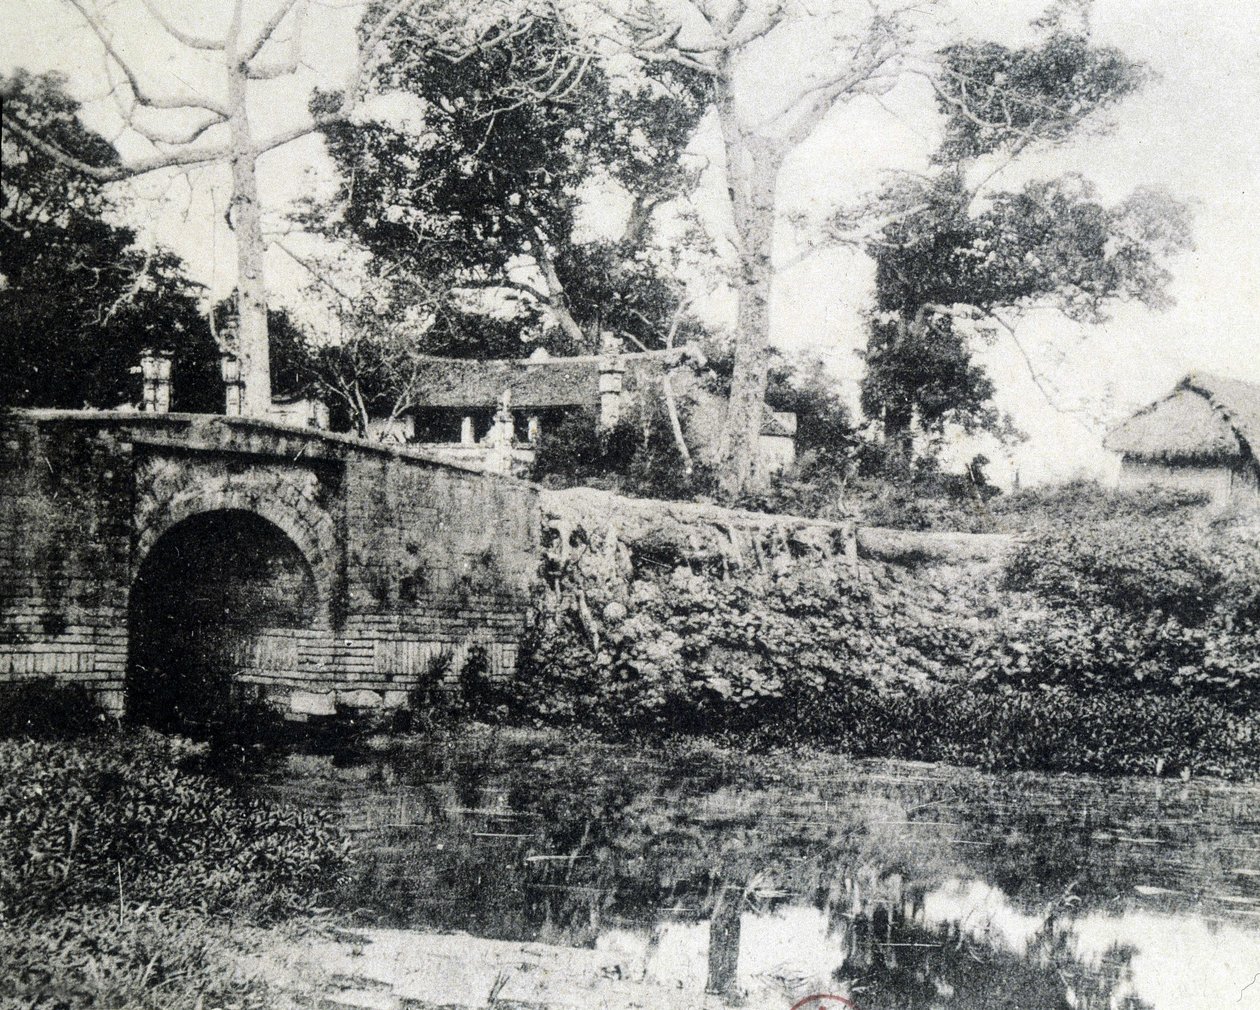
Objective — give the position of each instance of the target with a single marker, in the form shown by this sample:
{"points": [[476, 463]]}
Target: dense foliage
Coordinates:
{"points": [[1099, 623], [638, 456], [700, 653], [1043, 729], [83, 821], [146, 958], [126, 877], [472, 202], [79, 298], [1155, 608], [953, 254]]}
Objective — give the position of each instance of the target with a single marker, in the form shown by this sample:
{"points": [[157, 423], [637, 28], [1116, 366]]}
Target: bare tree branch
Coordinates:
{"points": [[112, 173], [268, 29], [186, 38], [142, 95]]}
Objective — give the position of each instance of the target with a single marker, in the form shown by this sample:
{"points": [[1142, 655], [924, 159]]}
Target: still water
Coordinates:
{"points": [[766, 878]]}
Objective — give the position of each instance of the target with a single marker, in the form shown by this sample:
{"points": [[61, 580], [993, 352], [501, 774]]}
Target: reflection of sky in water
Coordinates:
{"points": [[910, 887], [1179, 962]]}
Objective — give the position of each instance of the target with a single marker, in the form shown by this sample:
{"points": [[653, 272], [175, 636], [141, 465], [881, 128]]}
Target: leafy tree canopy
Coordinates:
{"points": [[78, 298], [950, 249], [482, 195]]}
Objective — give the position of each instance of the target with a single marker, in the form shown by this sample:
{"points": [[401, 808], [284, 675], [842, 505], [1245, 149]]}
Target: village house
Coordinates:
{"points": [[1202, 436], [493, 412]]}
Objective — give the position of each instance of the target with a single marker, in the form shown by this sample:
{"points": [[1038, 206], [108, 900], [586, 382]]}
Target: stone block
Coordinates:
{"points": [[358, 699], [313, 703]]}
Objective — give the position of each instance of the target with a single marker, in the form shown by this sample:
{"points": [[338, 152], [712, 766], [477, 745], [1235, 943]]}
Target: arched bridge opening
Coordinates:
{"points": [[212, 597]]}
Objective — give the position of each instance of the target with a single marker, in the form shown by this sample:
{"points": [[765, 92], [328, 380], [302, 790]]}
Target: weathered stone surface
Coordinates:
{"points": [[359, 699], [902, 546], [313, 703], [410, 560], [687, 533]]}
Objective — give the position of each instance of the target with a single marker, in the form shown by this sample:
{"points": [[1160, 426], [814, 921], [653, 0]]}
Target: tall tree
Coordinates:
{"points": [[857, 49], [188, 127], [950, 247], [479, 202], [79, 299]]}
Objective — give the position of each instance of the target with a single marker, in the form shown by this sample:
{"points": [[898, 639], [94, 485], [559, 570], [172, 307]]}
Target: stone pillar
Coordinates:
{"points": [[502, 434], [155, 373], [611, 380], [233, 384], [467, 433], [535, 429]]}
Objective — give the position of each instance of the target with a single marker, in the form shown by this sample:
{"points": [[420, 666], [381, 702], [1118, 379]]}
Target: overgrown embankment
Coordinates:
{"points": [[1125, 644]]}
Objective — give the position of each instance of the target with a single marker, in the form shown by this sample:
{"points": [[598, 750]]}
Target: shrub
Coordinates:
{"points": [[82, 822], [49, 710], [1155, 606], [142, 959], [638, 456], [701, 652], [1084, 502], [1138, 568], [1154, 616]]}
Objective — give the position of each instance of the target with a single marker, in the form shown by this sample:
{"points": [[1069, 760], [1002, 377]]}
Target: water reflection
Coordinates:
{"points": [[900, 886]]}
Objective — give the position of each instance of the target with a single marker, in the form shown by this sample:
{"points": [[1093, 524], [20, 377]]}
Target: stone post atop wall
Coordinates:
{"points": [[502, 434], [611, 382], [233, 384], [155, 374], [467, 434]]}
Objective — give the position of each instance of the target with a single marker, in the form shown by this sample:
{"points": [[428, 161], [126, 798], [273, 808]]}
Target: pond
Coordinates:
{"points": [[765, 878]]}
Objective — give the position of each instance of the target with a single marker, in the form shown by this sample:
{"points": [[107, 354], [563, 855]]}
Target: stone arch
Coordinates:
{"points": [[305, 523], [219, 600]]}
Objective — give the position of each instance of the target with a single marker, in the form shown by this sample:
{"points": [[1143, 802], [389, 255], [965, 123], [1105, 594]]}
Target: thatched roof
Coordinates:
{"points": [[541, 382], [537, 383], [1206, 419]]}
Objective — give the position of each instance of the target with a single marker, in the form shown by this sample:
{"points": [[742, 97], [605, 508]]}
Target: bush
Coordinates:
{"points": [[1137, 568], [1084, 502], [1155, 619], [701, 652], [83, 823], [637, 457], [49, 710], [1156, 606], [139, 958]]}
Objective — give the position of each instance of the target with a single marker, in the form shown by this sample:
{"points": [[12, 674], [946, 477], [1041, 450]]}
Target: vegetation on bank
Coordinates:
{"points": [[130, 879], [1124, 644]]}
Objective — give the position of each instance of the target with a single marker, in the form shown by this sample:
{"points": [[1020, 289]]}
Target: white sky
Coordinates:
{"points": [[1192, 130]]}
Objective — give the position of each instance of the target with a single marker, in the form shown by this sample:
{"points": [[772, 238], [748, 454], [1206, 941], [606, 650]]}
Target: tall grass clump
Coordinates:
{"points": [[126, 877]]}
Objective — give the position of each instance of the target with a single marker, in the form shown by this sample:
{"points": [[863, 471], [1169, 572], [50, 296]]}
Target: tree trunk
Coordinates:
{"points": [[724, 934], [251, 291], [752, 167], [898, 436]]}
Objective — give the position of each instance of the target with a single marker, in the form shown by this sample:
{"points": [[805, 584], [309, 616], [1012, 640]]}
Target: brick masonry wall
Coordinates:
{"points": [[415, 564]]}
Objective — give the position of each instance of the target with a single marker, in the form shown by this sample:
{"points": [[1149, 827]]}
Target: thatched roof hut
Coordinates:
{"points": [[1205, 420], [1206, 424]]}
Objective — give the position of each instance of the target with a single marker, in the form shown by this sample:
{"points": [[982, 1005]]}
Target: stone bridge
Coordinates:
{"points": [[162, 559]]}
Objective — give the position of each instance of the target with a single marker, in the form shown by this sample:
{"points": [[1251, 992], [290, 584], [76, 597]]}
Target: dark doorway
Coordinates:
{"points": [[206, 591]]}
